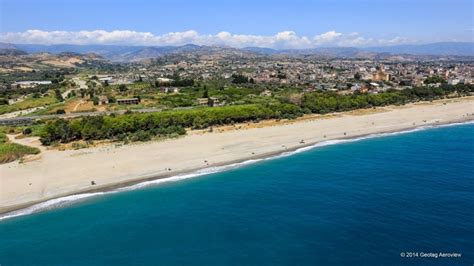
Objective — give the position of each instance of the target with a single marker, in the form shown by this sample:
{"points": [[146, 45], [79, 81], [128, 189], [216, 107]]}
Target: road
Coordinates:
{"points": [[20, 113]]}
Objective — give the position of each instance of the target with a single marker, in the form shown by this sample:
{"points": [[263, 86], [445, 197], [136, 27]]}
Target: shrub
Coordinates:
{"points": [[95, 100], [141, 135], [12, 151], [27, 131]]}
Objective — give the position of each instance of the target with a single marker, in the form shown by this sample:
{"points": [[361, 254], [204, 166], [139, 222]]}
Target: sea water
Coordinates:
{"points": [[386, 200]]}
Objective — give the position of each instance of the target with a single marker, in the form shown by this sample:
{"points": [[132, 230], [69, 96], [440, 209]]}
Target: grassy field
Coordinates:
{"points": [[26, 104], [51, 109], [12, 151]]}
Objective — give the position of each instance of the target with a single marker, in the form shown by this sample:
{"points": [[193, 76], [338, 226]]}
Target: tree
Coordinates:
{"points": [[71, 94], [95, 100], [122, 88], [434, 80], [91, 93], [27, 131], [58, 95], [92, 127], [239, 79], [59, 130], [357, 76], [111, 99]]}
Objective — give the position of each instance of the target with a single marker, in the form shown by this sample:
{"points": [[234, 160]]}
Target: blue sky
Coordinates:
{"points": [[346, 22]]}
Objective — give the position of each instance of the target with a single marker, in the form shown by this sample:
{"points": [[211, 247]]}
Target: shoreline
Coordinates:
{"points": [[131, 179], [128, 185]]}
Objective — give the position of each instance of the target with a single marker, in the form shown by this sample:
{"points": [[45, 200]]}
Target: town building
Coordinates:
{"points": [[128, 101]]}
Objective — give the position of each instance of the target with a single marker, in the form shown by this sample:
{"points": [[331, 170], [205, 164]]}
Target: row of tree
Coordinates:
{"points": [[326, 102], [141, 126], [240, 79], [132, 126]]}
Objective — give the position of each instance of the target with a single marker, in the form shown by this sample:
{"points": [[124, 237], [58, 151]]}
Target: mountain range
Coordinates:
{"points": [[122, 53]]}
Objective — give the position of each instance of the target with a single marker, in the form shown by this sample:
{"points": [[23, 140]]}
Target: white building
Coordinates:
{"points": [[30, 84]]}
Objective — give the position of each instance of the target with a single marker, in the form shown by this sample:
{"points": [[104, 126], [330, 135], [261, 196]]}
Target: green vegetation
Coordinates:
{"points": [[239, 79], [54, 76], [434, 80], [182, 82], [144, 126], [322, 103], [26, 104], [241, 103], [137, 127], [3, 101], [50, 109], [12, 151]]}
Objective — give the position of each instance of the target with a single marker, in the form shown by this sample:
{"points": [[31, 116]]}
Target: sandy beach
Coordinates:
{"points": [[59, 173]]}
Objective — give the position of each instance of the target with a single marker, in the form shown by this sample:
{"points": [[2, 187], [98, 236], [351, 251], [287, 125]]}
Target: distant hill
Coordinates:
{"points": [[441, 48], [261, 50], [444, 48], [47, 61], [107, 51], [153, 52], [344, 52], [123, 53], [9, 49]]}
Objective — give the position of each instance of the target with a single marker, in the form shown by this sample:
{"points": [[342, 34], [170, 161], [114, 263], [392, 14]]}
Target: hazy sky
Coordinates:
{"points": [[291, 23]]}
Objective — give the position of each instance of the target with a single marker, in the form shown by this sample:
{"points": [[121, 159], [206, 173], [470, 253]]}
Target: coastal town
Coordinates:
{"points": [[193, 79]]}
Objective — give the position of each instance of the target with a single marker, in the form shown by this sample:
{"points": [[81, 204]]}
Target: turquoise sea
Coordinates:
{"points": [[385, 200]]}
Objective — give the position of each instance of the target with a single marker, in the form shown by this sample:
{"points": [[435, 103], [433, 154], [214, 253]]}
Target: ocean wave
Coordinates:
{"points": [[49, 204], [68, 200]]}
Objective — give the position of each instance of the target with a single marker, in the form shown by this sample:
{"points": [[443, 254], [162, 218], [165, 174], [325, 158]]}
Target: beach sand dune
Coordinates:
{"points": [[60, 173]]}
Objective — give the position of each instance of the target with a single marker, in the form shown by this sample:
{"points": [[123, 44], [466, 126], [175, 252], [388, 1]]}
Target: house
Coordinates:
{"points": [[375, 85], [169, 89], [215, 101], [203, 101], [104, 79], [128, 101], [30, 84], [266, 93], [103, 100], [164, 80], [453, 81], [355, 87], [381, 76]]}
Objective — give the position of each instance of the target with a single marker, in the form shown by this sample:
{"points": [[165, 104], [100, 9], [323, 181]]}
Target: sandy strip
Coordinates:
{"points": [[61, 173]]}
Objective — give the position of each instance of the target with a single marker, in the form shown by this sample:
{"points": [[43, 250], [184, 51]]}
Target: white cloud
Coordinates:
{"points": [[284, 39], [327, 37], [396, 40]]}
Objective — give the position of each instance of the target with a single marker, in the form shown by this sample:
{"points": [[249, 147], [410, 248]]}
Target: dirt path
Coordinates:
{"points": [[28, 141]]}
